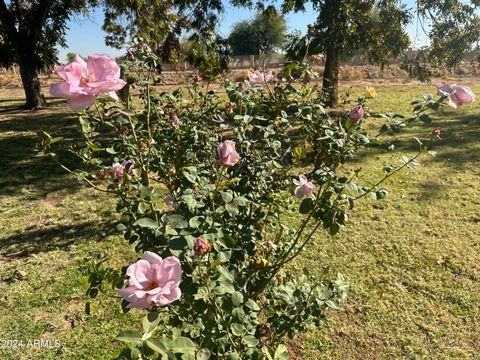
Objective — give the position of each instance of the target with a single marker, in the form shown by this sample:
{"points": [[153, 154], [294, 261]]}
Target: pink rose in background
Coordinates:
{"points": [[176, 121], [201, 247], [227, 153], [118, 168], [197, 78], [356, 113], [84, 80], [437, 131], [304, 187], [153, 281], [457, 95], [260, 77]]}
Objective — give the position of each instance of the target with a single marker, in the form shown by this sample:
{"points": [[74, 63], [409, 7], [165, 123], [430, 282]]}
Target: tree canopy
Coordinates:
{"points": [[266, 32]]}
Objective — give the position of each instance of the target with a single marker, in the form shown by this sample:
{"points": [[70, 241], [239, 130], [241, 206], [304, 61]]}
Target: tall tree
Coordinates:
{"points": [[31, 29], [266, 32], [345, 27], [454, 29]]}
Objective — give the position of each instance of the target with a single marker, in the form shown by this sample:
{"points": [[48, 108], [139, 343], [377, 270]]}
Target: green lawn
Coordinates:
{"points": [[412, 260]]}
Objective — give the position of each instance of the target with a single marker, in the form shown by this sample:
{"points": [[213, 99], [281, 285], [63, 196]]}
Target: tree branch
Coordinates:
{"points": [[8, 24]]}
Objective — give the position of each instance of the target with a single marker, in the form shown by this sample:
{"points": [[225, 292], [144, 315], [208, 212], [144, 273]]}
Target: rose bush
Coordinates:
{"points": [[205, 197]]}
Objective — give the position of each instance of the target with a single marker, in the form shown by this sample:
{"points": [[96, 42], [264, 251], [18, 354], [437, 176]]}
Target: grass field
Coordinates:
{"points": [[412, 260]]}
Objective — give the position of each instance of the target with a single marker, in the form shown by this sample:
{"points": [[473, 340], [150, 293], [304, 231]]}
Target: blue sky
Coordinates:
{"points": [[86, 36]]}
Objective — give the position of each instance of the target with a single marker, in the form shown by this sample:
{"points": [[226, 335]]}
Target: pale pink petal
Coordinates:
{"points": [[61, 89], [153, 258], [79, 102]]}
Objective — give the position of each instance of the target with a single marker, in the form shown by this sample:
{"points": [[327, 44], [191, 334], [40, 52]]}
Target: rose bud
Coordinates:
{"points": [[437, 131], [201, 247], [227, 154], [197, 78], [356, 113]]}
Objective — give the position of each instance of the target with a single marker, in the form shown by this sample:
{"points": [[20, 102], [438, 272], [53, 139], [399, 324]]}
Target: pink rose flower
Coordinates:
{"points": [[118, 168], [176, 121], [227, 153], [197, 78], [437, 132], [356, 113], [260, 77], [153, 281], [304, 187], [84, 80], [201, 247], [457, 95]]}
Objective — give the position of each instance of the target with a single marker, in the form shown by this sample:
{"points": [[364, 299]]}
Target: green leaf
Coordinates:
{"points": [[237, 298], [150, 322], [334, 228], [196, 221], [146, 223], [133, 337], [250, 341], [190, 201], [252, 305], [239, 314], [306, 206], [156, 345], [241, 201], [232, 209], [227, 197], [183, 345], [281, 353], [237, 329]]}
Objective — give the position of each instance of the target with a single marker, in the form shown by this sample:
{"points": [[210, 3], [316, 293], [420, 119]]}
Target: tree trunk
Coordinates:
{"points": [[31, 85], [330, 76]]}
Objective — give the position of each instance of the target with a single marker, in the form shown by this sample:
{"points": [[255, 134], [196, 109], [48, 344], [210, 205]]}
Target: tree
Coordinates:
{"points": [[343, 27], [454, 31], [266, 32]]}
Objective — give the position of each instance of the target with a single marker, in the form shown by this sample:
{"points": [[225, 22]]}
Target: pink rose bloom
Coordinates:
{"points": [[84, 80], [227, 153], [201, 247], [304, 187], [260, 77], [176, 121], [457, 95], [437, 131], [356, 113], [153, 281], [118, 168], [197, 78]]}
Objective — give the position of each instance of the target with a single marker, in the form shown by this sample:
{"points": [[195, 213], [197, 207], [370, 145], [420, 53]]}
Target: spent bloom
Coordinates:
{"points": [[197, 78], [304, 187], [260, 77], [118, 168], [201, 247], [437, 132], [457, 95], [153, 281], [176, 121], [227, 154], [371, 91], [84, 80], [356, 113]]}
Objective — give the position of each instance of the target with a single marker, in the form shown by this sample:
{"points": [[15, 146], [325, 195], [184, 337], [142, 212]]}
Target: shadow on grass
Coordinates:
{"points": [[458, 147], [34, 240], [22, 172]]}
